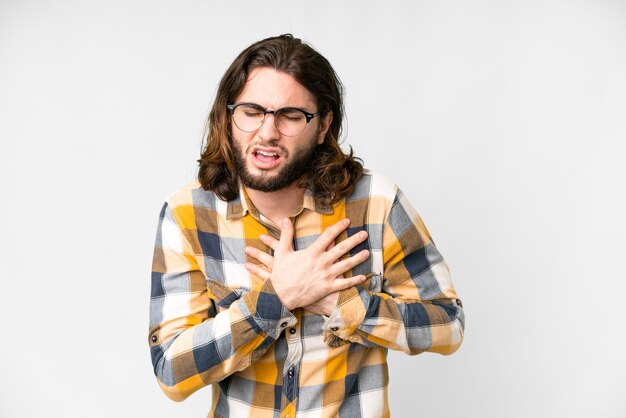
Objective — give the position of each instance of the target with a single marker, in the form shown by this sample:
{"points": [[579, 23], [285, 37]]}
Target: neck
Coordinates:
{"points": [[279, 204]]}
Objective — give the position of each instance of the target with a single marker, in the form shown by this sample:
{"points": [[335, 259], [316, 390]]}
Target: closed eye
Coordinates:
{"points": [[292, 115]]}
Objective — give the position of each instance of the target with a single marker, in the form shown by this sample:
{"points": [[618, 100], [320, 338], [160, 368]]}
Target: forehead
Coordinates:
{"points": [[275, 89]]}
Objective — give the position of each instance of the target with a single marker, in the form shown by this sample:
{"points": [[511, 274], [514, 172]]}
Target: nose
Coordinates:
{"points": [[268, 130]]}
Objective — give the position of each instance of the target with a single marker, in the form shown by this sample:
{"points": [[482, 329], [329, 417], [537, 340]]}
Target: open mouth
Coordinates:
{"points": [[266, 156], [265, 160]]}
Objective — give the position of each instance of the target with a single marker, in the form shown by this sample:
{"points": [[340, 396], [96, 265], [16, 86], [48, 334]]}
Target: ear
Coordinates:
{"points": [[324, 126]]}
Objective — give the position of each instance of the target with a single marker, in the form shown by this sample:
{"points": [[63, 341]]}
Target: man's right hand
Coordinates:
{"points": [[301, 278]]}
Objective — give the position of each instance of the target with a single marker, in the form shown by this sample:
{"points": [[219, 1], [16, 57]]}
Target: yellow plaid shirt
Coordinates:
{"points": [[212, 322]]}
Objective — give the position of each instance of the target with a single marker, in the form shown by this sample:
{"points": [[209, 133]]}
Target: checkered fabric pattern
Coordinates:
{"points": [[212, 322]]}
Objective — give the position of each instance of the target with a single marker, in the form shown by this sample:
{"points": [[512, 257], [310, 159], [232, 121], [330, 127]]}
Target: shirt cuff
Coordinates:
{"points": [[267, 310], [349, 313]]}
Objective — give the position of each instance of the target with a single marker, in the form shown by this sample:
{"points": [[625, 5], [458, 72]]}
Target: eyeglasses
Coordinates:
{"points": [[290, 121]]}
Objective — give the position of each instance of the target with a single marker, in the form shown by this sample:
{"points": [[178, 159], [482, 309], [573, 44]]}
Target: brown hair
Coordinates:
{"points": [[333, 173]]}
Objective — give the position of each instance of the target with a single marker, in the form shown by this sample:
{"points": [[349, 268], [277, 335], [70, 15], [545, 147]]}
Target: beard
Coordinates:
{"points": [[293, 169]]}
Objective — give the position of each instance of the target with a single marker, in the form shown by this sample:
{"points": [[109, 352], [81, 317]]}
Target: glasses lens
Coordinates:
{"points": [[248, 118], [290, 122]]}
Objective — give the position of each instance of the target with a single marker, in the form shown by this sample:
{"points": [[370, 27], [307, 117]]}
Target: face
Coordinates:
{"points": [[265, 159]]}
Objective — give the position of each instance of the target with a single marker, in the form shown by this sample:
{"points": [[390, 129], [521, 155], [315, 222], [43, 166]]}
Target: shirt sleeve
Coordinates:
{"points": [[417, 308], [191, 344]]}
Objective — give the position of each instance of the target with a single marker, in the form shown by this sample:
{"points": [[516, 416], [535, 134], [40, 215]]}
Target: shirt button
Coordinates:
{"points": [[154, 338], [290, 373], [334, 329], [292, 330], [283, 325]]}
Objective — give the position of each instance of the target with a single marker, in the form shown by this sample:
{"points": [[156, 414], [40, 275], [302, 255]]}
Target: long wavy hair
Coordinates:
{"points": [[333, 173]]}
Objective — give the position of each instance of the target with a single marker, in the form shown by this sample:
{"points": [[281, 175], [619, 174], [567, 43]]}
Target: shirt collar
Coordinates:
{"points": [[238, 207]]}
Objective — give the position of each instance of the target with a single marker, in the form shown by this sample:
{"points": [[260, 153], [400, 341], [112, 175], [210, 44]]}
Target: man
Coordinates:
{"points": [[284, 274]]}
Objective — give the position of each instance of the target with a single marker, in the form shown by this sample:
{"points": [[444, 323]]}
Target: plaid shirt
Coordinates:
{"points": [[212, 322]]}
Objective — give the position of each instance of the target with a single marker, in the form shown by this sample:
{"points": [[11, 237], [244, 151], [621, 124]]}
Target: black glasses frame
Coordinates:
{"points": [[231, 109]]}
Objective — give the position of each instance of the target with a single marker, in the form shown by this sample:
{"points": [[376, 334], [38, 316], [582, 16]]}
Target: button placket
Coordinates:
{"points": [[294, 341], [294, 357]]}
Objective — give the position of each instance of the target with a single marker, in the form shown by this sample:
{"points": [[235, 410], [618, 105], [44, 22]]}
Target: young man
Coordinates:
{"points": [[284, 274]]}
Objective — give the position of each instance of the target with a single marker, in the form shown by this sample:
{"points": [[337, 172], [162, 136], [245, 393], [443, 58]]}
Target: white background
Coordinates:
{"points": [[503, 121]]}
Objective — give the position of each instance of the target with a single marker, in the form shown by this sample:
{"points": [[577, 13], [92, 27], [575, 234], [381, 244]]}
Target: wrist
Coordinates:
{"points": [[283, 295], [332, 305]]}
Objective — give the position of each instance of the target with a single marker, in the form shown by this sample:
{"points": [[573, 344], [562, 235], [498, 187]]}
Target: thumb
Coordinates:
{"points": [[286, 236]]}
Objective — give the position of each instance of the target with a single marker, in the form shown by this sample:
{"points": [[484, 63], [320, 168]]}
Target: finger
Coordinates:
{"points": [[262, 256], [254, 269], [342, 284], [270, 241], [330, 246], [330, 233], [342, 266], [347, 244], [286, 236]]}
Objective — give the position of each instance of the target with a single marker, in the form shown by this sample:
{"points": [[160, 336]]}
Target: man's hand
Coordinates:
{"points": [[324, 306], [305, 277]]}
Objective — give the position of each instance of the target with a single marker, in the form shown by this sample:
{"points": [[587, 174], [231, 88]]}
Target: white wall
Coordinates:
{"points": [[504, 122]]}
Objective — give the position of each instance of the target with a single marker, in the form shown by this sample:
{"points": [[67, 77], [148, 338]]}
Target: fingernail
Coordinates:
{"points": [[346, 221], [363, 234]]}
